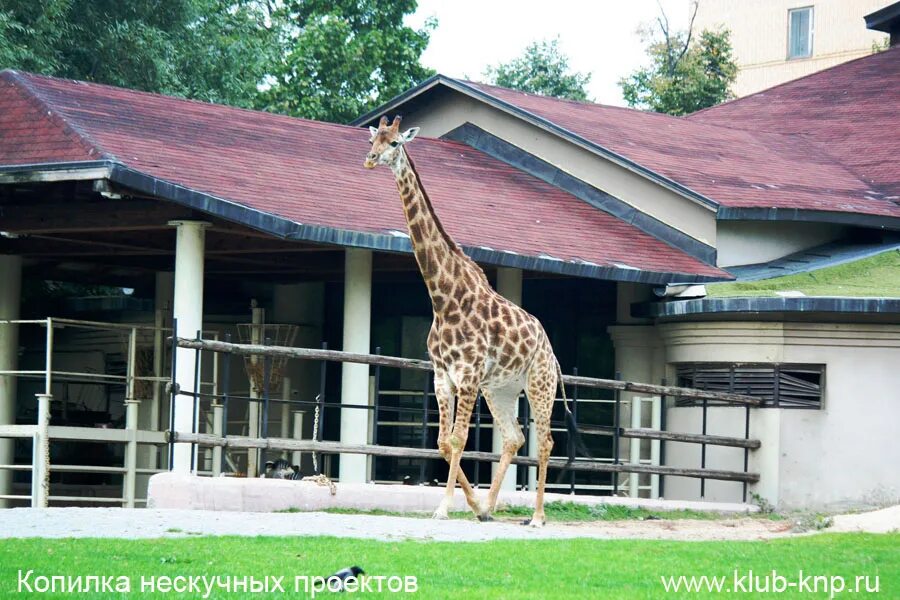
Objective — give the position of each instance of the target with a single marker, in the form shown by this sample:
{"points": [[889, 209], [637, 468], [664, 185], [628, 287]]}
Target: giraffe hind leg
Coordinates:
{"points": [[541, 386]]}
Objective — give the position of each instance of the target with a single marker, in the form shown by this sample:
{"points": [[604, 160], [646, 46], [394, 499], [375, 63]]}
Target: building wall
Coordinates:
{"points": [[759, 35], [450, 111], [753, 242], [841, 456]]}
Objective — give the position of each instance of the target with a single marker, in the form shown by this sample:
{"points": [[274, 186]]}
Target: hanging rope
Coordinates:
{"points": [[319, 478]]}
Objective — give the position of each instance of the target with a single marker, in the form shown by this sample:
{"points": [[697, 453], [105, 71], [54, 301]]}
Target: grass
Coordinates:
{"points": [[874, 277], [580, 568], [562, 511]]}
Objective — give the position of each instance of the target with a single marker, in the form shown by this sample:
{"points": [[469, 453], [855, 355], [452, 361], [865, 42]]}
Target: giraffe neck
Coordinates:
{"points": [[441, 261]]}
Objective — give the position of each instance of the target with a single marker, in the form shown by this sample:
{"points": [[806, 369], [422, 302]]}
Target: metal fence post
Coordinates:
{"points": [[663, 399], [634, 449], [196, 402], [131, 422], [424, 425], [616, 412], [226, 386], [40, 473], [703, 451], [477, 465], [173, 394], [321, 408], [217, 431], [376, 405], [575, 418]]}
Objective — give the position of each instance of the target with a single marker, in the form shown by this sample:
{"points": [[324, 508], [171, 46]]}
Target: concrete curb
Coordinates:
{"points": [[173, 490]]}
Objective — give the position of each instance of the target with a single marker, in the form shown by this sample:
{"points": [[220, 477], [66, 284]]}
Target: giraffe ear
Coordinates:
{"points": [[373, 131], [409, 135]]}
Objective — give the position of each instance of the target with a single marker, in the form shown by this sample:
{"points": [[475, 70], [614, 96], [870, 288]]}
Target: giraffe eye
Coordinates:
{"points": [[394, 144]]}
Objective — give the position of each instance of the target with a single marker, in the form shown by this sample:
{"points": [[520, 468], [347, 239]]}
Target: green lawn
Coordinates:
{"points": [[567, 511], [501, 569], [876, 277]]}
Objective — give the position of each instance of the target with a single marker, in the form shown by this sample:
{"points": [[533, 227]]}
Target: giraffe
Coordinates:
{"points": [[478, 339]]}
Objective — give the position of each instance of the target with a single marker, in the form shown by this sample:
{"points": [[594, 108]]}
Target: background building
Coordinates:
{"points": [[778, 40], [751, 247]]}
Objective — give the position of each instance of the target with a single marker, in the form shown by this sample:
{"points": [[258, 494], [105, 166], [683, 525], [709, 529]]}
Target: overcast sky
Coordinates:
{"points": [[599, 36]]}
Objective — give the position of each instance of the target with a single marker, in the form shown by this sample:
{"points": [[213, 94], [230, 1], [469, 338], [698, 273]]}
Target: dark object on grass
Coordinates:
{"points": [[342, 577]]}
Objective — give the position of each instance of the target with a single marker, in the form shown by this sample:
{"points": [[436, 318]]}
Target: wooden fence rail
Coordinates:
{"points": [[235, 442], [424, 365]]}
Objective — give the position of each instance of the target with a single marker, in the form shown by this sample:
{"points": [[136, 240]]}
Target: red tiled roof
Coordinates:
{"points": [[737, 165], [311, 173], [851, 110]]}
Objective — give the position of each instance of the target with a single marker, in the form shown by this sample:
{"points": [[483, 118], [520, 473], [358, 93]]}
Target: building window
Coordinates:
{"points": [[800, 32], [778, 386]]}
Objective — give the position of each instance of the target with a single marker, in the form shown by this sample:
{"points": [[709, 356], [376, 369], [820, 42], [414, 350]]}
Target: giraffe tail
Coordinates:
{"points": [[574, 442]]}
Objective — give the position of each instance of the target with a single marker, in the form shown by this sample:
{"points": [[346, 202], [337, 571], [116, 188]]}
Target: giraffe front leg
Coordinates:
{"points": [[458, 438], [444, 396], [503, 406]]}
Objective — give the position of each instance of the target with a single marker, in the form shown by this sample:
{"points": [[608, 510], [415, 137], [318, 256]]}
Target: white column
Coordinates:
{"points": [[10, 292], [188, 310], [355, 377], [637, 352], [509, 285]]}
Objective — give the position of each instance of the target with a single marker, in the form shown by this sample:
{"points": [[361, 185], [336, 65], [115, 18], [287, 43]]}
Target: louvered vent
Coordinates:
{"points": [[781, 386]]}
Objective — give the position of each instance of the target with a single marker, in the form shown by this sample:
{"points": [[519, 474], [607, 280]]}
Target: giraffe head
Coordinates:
{"points": [[387, 141]]}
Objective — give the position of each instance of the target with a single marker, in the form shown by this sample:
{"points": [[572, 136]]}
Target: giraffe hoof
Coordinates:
{"points": [[537, 524], [485, 518], [440, 515]]}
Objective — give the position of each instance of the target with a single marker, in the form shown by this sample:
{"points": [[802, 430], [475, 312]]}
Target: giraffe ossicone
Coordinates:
{"points": [[479, 340]]}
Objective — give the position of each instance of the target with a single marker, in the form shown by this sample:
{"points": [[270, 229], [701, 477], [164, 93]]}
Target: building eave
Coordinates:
{"points": [[287, 229], [752, 305], [738, 213]]}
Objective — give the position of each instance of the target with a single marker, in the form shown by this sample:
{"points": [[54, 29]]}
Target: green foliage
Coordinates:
{"points": [[310, 58], [542, 69], [207, 49], [341, 58], [684, 75]]}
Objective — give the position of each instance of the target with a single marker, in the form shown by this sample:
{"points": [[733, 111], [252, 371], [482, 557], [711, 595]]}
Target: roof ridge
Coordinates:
{"points": [[585, 103], [25, 77], [80, 136], [793, 81]]}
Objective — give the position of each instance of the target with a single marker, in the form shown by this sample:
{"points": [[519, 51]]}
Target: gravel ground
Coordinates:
{"points": [[153, 523], [149, 523]]}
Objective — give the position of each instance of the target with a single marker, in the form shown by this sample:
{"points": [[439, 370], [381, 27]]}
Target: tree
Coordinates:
{"points": [[341, 58], [685, 75], [213, 50], [542, 69]]}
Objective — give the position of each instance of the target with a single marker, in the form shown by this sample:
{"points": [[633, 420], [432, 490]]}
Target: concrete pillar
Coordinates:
{"points": [[509, 285], [188, 310], [355, 377], [637, 354], [10, 300], [765, 425]]}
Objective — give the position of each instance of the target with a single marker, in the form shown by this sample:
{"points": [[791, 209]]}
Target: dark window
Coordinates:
{"points": [[780, 386], [800, 32]]}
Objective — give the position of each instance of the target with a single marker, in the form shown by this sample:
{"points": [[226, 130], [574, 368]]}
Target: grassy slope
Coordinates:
{"points": [[501, 569], [877, 276]]}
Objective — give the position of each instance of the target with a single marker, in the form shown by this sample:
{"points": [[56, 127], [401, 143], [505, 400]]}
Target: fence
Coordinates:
{"points": [[634, 434], [217, 443]]}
